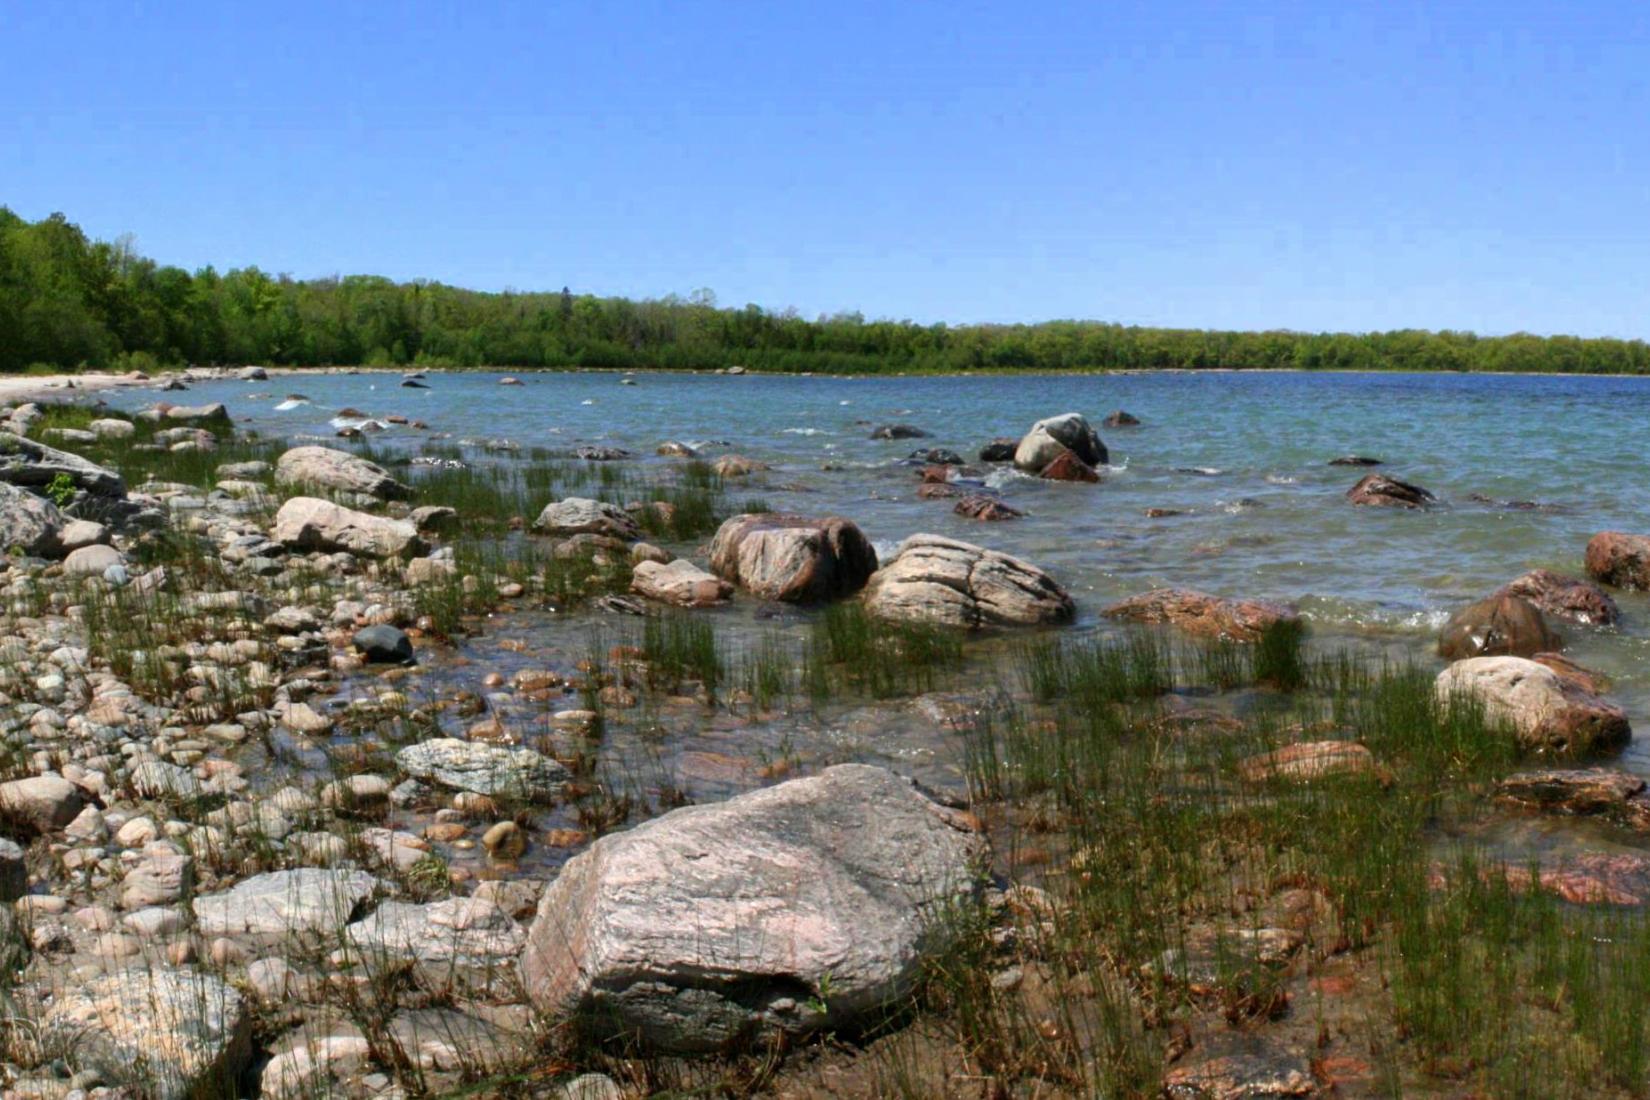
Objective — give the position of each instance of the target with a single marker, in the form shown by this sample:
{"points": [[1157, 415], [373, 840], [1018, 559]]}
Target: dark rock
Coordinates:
{"points": [[936, 490], [999, 450], [1120, 419], [1575, 791], [982, 507], [938, 456], [1565, 597], [1355, 460], [1236, 1065], [601, 454], [383, 645], [1162, 513], [1202, 614], [1068, 467], [898, 431], [1378, 490], [413, 384], [1619, 559], [1499, 626]]}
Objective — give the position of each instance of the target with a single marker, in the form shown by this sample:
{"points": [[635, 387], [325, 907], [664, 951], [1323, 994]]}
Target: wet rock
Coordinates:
{"points": [[807, 905], [1202, 614], [1240, 1066], [939, 580], [1570, 672], [671, 448], [793, 558], [383, 645], [986, 508], [40, 803], [936, 491], [505, 841], [1049, 438], [1499, 626], [1565, 598], [736, 466], [1547, 713], [1580, 791], [646, 551], [309, 523], [1068, 467], [32, 465], [681, 583], [1619, 559], [493, 770], [581, 516], [937, 456], [1593, 878], [29, 523], [460, 947], [305, 903], [1307, 761], [1355, 460], [1120, 419], [171, 1034], [898, 431], [999, 450], [601, 454], [1380, 491], [338, 471]]}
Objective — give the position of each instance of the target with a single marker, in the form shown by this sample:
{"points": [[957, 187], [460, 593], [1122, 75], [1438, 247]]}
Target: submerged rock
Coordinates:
{"points": [[339, 471], [1048, 438], [982, 507], [1202, 614], [1380, 491], [898, 431], [1234, 1065], [1307, 761], [679, 582], [1068, 467], [1499, 626], [939, 580], [309, 523], [805, 906], [1547, 712], [1355, 460], [1565, 597], [793, 558], [494, 770], [1578, 791], [1619, 559], [1120, 419], [582, 516]]}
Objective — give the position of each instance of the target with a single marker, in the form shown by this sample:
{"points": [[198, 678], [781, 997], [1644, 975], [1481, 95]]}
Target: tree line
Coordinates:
{"points": [[69, 302]]}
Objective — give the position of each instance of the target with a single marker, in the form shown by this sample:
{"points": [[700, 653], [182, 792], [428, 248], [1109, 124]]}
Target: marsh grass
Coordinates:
{"points": [[847, 648], [680, 648]]}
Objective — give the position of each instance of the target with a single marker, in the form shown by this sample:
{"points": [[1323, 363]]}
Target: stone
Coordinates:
{"points": [[671, 448], [40, 803], [793, 558], [1202, 614], [1568, 598], [92, 561], [898, 431], [1355, 460], [14, 873], [383, 644], [989, 509], [309, 523], [315, 1061], [505, 841], [79, 533], [1048, 438], [1619, 559], [934, 579], [493, 770], [158, 779], [1547, 713], [434, 519], [1066, 466], [168, 1033], [112, 428], [29, 523], [1307, 761], [999, 450], [1380, 491], [680, 583], [459, 947], [592, 453], [338, 471], [582, 516], [937, 456], [215, 413], [1576, 791], [736, 466], [1498, 626], [163, 875], [1120, 419], [33, 465], [809, 905], [252, 374], [447, 1040], [309, 902], [1237, 1066]]}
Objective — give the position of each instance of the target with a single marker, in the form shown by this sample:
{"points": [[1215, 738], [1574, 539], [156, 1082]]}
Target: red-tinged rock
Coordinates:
{"points": [[1564, 597], [1571, 790], [793, 558], [936, 474], [1502, 625], [989, 509], [1307, 761], [936, 491], [1202, 614], [1619, 559], [1380, 491], [1580, 676], [1236, 1065], [1068, 467]]}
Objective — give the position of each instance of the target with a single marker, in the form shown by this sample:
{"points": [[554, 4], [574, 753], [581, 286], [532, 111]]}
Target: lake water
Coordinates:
{"points": [[1244, 455]]}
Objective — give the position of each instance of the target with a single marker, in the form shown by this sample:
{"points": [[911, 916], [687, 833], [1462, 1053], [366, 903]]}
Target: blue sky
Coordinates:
{"points": [[1235, 165]]}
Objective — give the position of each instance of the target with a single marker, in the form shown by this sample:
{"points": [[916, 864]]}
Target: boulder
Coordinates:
{"points": [[33, 465], [434, 519], [581, 516], [382, 644], [1068, 467], [898, 431], [460, 947], [1202, 614], [939, 580], [492, 770], [937, 456], [40, 803], [1619, 559], [83, 532], [1547, 713], [1495, 627], [306, 903], [672, 448], [1575, 791], [92, 561], [809, 905], [999, 450], [309, 523], [1380, 491], [1565, 598], [736, 466], [166, 1033], [252, 374], [793, 558], [339, 472], [214, 413], [29, 523], [680, 582], [112, 428], [1120, 419], [981, 507], [1066, 432]]}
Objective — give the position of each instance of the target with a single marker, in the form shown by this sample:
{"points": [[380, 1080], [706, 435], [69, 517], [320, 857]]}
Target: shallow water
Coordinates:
{"points": [[1245, 455]]}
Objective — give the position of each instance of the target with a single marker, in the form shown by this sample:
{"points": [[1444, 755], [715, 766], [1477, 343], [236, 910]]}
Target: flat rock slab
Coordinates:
{"points": [[307, 902], [1202, 614], [169, 1033], [35, 466], [1594, 878], [1240, 1067], [807, 905], [1579, 791], [934, 579], [493, 770]]}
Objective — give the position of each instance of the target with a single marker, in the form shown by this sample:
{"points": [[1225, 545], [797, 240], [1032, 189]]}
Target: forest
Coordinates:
{"points": [[68, 302]]}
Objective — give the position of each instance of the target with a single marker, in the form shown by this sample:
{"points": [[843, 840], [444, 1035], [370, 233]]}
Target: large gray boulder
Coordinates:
{"points": [[34, 465], [310, 523], [939, 580], [338, 471], [310, 902], [1548, 713], [793, 558], [484, 769], [29, 523], [1049, 439], [167, 1033], [808, 905], [582, 516]]}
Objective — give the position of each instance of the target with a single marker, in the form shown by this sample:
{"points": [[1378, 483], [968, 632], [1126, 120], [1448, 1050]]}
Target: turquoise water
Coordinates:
{"points": [[1245, 455]]}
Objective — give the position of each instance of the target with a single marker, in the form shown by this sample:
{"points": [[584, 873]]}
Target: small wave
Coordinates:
{"points": [[292, 403], [588, 401], [802, 431], [1200, 471], [1281, 479], [364, 424]]}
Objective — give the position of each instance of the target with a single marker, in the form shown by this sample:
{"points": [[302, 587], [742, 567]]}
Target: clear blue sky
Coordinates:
{"points": [[1239, 165]]}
